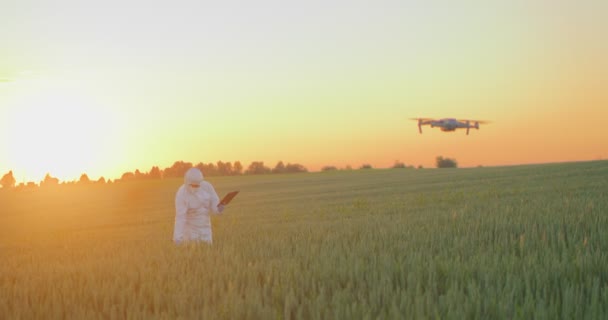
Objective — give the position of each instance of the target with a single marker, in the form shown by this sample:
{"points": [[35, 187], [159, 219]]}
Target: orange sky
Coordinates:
{"points": [[104, 88]]}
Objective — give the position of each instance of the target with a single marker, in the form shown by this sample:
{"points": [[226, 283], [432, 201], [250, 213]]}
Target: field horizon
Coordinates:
{"points": [[205, 167]]}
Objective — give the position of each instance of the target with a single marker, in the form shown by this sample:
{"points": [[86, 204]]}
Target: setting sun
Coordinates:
{"points": [[56, 128]]}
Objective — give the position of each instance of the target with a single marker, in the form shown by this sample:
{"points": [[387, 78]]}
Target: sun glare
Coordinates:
{"points": [[56, 129]]}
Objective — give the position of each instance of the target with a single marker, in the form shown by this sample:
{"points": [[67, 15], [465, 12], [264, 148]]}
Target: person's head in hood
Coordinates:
{"points": [[193, 179]]}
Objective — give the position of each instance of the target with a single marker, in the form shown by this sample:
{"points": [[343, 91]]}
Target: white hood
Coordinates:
{"points": [[193, 176]]}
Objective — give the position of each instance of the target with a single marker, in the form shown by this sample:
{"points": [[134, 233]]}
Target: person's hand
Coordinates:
{"points": [[220, 208]]}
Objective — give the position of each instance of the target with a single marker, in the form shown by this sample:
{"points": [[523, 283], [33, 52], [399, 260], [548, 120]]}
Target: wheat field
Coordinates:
{"points": [[515, 242]]}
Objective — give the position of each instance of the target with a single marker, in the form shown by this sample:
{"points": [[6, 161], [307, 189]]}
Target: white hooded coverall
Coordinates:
{"points": [[193, 207]]}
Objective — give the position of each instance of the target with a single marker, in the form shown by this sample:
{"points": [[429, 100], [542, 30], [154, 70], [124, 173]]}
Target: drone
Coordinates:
{"points": [[449, 124]]}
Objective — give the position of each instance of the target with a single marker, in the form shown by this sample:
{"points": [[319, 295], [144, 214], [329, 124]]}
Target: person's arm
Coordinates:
{"points": [[216, 207], [181, 210]]}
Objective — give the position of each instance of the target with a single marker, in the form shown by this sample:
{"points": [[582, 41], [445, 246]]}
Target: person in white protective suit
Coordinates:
{"points": [[195, 200]]}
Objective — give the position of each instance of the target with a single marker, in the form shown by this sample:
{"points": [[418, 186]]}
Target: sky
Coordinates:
{"points": [[106, 87]]}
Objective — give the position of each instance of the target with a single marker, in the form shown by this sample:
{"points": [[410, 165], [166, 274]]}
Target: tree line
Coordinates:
{"points": [[179, 168]]}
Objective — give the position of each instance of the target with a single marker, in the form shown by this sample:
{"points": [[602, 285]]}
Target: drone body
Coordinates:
{"points": [[448, 124]]}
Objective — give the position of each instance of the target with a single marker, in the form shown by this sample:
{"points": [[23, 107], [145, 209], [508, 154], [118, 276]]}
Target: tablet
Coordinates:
{"points": [[228, 197]]}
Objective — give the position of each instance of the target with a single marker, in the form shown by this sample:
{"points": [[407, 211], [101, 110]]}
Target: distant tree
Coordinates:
{"points": [[208, 170], [27, 186], [49, 181], [399, 165], [366, 166], [237, 169], [348, 167], [228, 168], [288, 168], [295, 168], [224, 168], [155, 173], [420, 166], [138, 175], [220, 168], [101, 180], [8, 181], [442, 162], [127, 176], [201, 166], [329, 168], [84, 179], [257, 167], [279, 168], [177, 170]]}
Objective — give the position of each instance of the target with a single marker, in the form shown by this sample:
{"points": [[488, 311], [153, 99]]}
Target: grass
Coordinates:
{"points": [[489, 243]]}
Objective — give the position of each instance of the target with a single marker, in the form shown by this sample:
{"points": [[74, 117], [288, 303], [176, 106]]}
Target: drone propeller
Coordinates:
{"points": [[421, 121], [476, 121], [475, 125]]}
